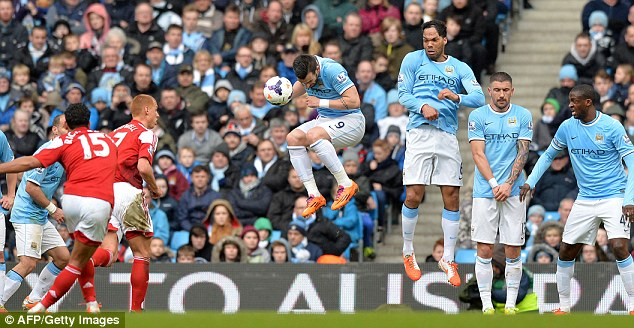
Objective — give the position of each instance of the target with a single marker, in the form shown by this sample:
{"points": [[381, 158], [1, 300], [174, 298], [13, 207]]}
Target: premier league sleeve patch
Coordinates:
{"points": [[400, 78], [342, 77], [475, 83], [530, 125], [626, 139], [472, 126]]}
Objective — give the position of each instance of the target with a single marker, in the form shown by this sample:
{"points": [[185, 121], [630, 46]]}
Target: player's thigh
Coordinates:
{"points": [[298, 135], [132, 212], [611, 214], [344, 131], [582, 224], [51, 238], [513, 222], [28, 239], [419, 157], [485, 220], [447, 162]]}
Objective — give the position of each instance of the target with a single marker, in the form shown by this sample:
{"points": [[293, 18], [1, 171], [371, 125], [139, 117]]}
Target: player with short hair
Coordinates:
{"points": [[339, 124], [499, 134], [136, 144], [6, 203], [429, 83], [90, 161], [29, 217], [597, 145]]}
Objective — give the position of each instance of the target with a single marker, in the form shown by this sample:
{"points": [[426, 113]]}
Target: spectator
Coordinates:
{"points": [[119, 112], [22, 141], [166, 203], [143, 83], [585, 57], [248, 14], [218, 111], [35, 117], [568, 78], [271, 170], [312, 16], [396, 146], [195, 99], [616, 10], [413, 20], [158, 252], [280, 211], [334, 13], [222, 221], [259, 50], [229, 249], [14, 36], [251, 239], [200, 138], [173, 113], [355, 46], [324, 179], [192, 38], [383, 77], [210, 19], [364, 201], [185, 254], [624, 52], [251, 128], [35, 54], [542, 254], [535, 218], [603, 86], [457, 46], [291, 11], [369, 91], [385, 177], [280, 251], [265, 229], [302, 250], [397, 116], [346, 218], [225, 175], [166, 165], [250, 199], [199, 240], [21, 85], [176, 53], [285, 65], [373, 14], [549, 233], [602, 242], [393, 45], [52, 81], [163, 75], [97, 23], [543, 130], [121, 12], [592, 254], [332, 50], [629, 122], [325, 234], [186, 162], [111, 72], [55, 40], [228, 38], [259, 106], [239, 151], [430, 10], [565, 206], [437, 250], [492, 30], [205, 76], [615, 111], [193, 204], [164, 14], [278, 129], [85, 60], [69, 10], [556, 183], [272, 23], [622, 81], [243, 75], [160, 222], [72, 70], [601, 35]]}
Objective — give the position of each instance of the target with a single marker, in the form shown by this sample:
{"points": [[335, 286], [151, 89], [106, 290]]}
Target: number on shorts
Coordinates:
{"points": [[340, 125], [118, 138], [625, 222], [96, 140]]}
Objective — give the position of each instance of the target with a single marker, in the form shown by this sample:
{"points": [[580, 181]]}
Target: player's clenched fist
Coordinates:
{"points": [[526, 188], [430, 113], [448, 94], [312, 102]]}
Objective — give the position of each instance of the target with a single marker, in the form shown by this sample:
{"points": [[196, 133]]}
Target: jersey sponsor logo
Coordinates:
{"points": [[512, 121], [587, 152], [342, 77], [501, 137], [626, 139], [430, 78], [599, 138], [321, 91], [472, 126]]}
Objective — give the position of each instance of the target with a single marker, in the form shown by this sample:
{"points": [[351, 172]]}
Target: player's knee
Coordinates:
{"points": [[619, 246], [296, 138], [314, 135]]}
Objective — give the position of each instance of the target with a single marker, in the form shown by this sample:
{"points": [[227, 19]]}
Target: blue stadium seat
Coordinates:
{"points": [[464, 255], [275, 235], [179, 238], [551, 216]]}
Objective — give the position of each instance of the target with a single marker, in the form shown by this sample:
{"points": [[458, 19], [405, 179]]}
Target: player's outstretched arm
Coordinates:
{"points": [[146, 172], [543, 163], [20, 165]]}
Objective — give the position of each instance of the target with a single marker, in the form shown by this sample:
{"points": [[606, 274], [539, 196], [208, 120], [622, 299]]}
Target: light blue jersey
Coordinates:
{"points": [[6, 155], [332, 81], [595, 150], [421, 80], [25, 210], [500, 133]]}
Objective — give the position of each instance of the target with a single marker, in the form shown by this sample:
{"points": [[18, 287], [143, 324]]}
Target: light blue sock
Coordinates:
{"points": [[410, 218]]}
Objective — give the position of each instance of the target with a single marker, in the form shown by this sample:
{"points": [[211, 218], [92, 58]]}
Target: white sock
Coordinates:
{"points": [[484, 276], [12, 282], [303, 167], [410, 218], [3, 269], [450, 228], [328, 155], [45, 281], [513, 276], [626, 269], [565, 271]]}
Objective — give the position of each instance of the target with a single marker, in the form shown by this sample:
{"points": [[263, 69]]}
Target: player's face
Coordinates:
{"points": [[153, 115], [61, 128], [279, 254], [434, 44], [579, 106], [251, 240], [501, 93], [310, 80]]}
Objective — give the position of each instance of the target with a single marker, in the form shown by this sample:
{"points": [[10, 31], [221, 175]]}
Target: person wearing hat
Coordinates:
{"points": [[615, 13], [265, 229], [193, 95], [55, 41], [225, 174], [163, 75], [615, 111], [302, 250], [250, 199], [261, 57], [586, 57], [165, 163], [251, 239], [285, 65], [543, 128], [232, 35], [568, 78], [534, 219], [219, 112]]}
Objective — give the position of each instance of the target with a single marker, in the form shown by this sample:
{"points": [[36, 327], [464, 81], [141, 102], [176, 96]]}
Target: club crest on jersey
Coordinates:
{"points": [[472, 126], [449, 69], [342, 77], [599, 137], [512, 121], [626, 139]]}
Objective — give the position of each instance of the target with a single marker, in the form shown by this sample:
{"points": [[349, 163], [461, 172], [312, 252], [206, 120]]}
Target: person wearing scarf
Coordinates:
{"points": [[176, 53]]}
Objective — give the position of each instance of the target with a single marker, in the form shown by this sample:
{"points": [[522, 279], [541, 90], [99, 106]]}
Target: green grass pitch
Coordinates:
{"points": [[372, 319]]}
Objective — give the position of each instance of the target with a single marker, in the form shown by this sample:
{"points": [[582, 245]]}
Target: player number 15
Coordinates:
{"points": [[97, 141]]}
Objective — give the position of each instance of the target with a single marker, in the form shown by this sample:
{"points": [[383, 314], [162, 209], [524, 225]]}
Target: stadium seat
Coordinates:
{"points": [[275, 235], [179, 238], [551, 216], [464, 255]]}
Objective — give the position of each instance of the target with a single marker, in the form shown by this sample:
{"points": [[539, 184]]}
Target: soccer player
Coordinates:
{"points": [[499, 134], [428, 86], [6, 155], [596, 144], [340, 124], [90, 161], [136, 144], [29, 217]]}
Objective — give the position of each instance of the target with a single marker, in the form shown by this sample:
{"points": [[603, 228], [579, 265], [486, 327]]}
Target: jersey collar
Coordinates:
{"points": [[593, 122]]}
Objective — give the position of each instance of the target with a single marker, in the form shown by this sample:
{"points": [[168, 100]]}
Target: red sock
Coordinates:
{"points": [[62, 284], [101, 257], [87, 282], [139, 281]]}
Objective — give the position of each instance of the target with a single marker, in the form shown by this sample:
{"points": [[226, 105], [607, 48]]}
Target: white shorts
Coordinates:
{"points": [[488, 215], [86, 215], [33, 240], [130, 212], [432, 156], [344, 131], [586, 216]]}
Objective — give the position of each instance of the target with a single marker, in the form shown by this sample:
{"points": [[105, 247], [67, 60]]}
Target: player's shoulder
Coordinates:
{"points": [[479, 112], [520, 110], [414, 56]]}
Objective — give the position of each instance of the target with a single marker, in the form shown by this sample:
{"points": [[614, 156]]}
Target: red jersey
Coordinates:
{"points": [[89, 158], [134, 141]]}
